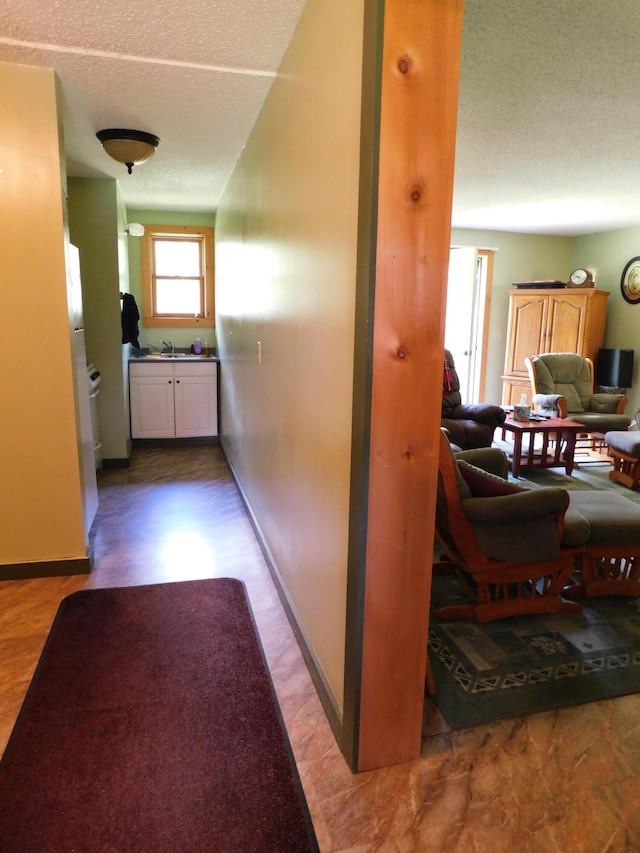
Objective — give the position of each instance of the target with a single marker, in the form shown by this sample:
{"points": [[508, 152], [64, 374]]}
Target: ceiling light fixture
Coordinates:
{"points": [[128, 146]]}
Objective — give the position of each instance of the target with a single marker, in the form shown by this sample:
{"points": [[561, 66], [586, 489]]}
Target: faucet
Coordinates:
{"points": [[169, 345]]}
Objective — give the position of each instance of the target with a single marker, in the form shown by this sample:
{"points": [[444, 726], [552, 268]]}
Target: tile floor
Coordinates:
{"points": [[565, 781]]}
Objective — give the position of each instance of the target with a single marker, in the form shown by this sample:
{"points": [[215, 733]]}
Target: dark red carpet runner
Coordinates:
{"points": [[151, 725]]}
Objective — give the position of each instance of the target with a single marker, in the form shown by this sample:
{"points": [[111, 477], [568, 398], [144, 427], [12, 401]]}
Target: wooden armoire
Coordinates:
{"points": [[550, 320]]}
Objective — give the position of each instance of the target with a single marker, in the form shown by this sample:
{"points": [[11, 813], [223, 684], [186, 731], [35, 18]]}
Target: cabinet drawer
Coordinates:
{"points": [[150, 369], [195, 368]]}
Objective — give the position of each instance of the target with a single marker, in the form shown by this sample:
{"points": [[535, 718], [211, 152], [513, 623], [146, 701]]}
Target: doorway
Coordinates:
{"points": [[467, 316]]}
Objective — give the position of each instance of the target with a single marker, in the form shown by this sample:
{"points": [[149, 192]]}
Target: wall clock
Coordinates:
{"points": [[580, 278], [630, 281]]}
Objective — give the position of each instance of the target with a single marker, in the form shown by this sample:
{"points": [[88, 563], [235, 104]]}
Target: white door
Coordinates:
{"points": [[459, 329], [469, 288]]}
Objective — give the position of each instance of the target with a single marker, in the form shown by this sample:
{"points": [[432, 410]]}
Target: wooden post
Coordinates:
{"points": [[418, 111]]}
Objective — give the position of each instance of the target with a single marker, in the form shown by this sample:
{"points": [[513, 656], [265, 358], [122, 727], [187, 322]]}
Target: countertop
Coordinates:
{"points": [[172, 359]]}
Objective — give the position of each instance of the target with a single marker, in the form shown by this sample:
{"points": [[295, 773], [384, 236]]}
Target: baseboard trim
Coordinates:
{"points": [[205, 440], [325, 693], [45, 569], [116, 463]]}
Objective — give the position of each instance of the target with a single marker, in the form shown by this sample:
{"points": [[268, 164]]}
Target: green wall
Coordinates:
{"points": [[607, 254], [181, 337], [516, 257], [96, 226], [534, 256]]}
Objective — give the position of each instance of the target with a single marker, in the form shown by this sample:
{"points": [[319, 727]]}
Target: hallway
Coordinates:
{"points": [[559, 781]]}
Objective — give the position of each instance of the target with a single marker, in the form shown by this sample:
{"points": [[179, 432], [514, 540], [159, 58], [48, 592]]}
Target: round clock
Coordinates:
{"points": [[580, 278], [630, 281]]}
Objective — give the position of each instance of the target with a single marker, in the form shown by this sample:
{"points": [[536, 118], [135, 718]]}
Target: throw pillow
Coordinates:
{"points": [[485, 485]]}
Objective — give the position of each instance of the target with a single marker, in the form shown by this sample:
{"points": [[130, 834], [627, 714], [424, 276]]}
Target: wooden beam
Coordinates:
{"points": [[418, 110]]}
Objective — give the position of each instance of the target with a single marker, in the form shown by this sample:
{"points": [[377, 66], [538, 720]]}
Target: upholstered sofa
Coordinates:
{"points": [[467, 425]]}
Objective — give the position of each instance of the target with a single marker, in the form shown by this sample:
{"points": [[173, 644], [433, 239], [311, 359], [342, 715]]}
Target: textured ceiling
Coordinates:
{"points": [[548, 124], [194, 74], [548, 120]]}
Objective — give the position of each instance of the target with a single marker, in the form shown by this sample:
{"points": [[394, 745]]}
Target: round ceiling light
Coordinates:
{"points": [[128, 146]]}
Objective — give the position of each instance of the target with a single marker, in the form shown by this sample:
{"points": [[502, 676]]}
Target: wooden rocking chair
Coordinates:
{"points": [[508, 539]]}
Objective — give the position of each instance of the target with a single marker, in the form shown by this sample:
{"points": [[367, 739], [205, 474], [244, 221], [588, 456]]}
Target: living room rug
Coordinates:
{"points": [[587, 475], [522, 665], [151, 724]]}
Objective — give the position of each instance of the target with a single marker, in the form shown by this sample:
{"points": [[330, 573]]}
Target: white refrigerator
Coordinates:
{"points": [[82, 391]]}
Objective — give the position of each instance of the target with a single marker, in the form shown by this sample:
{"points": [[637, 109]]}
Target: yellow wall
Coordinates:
{"points": [[285, 277], [40, 499]]}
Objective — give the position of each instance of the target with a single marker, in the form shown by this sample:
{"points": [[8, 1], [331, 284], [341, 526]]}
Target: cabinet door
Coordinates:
{"points": [[513, 389], [527, 326], [152, 413], [196, 402], [567, 323]]}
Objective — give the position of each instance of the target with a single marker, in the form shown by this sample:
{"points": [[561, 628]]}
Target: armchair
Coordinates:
{"points": [[468, 425], [512, 541], [562, 385]]}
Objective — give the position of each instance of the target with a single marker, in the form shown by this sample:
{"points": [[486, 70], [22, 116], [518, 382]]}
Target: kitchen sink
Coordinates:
{"points": [[164, 355]]}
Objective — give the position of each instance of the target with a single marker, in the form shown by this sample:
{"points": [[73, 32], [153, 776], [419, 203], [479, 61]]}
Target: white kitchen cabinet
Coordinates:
{"points": [[173, 400]]}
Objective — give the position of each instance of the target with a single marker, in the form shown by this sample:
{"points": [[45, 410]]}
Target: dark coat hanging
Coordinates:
{"points": [[130, 316]]}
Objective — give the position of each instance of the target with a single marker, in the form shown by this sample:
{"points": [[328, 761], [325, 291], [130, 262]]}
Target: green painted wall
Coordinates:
{"points": [[521, 256], [182, 337], [96, 227], [607, 254], [517, 256]]}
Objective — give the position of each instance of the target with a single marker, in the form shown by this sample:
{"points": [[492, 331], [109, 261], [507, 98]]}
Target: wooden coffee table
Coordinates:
{"points": [[554, 448]]}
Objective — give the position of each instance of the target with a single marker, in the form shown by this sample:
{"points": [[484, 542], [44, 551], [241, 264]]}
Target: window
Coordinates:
{"points": [[177, 275]]}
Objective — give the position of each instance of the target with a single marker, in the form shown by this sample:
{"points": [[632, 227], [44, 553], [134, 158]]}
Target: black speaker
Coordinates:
{"points": [[614, 368]]}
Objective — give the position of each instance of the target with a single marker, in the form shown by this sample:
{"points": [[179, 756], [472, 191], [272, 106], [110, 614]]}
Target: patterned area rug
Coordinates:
{"points": [[522, 665], [587, 475]]}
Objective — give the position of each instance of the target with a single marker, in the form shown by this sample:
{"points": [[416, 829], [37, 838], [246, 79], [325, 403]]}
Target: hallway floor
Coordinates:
{"points": [[566, 781]]}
